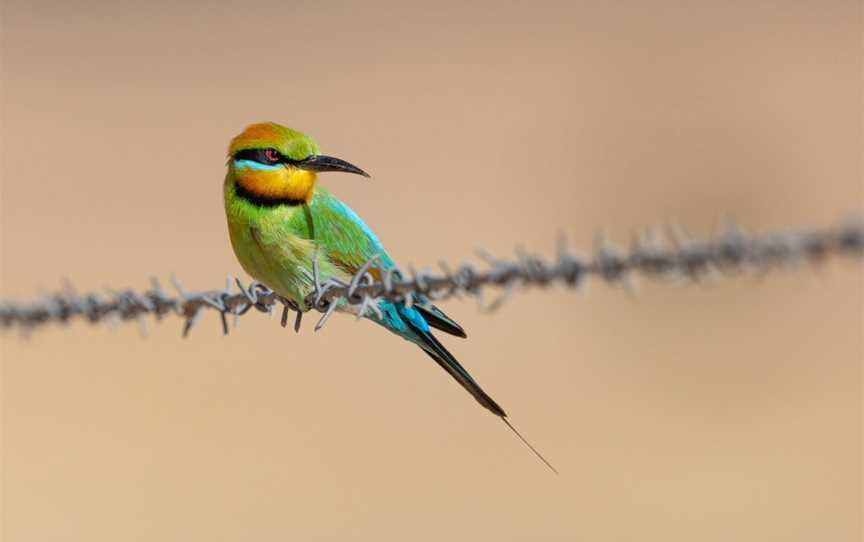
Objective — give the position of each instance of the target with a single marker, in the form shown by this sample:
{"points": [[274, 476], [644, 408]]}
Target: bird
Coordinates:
{"points": [[280, 221]]}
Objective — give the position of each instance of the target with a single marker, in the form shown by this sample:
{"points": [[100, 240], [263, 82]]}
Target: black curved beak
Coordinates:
{"points": [[319, 162]]}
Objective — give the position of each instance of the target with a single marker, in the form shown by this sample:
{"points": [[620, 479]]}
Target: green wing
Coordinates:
{"points": [[350, 243]]}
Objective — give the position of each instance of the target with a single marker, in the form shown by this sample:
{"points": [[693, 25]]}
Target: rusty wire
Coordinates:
{"points": [[673, 255]]}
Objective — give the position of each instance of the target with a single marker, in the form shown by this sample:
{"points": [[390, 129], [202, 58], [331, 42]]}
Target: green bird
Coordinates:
{"points": [[280, 220]]}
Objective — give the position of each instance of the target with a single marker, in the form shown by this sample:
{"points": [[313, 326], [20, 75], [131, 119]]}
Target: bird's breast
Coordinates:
{"points": [[269, 249]]}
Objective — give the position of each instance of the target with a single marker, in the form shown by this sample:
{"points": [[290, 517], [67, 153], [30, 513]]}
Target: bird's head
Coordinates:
{"points": [[272, 162]]}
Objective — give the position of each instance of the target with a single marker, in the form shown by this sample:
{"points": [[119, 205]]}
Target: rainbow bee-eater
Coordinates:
{"points": [[280, 221]]}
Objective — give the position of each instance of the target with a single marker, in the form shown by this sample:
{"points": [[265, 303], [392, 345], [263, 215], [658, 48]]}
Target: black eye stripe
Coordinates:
{"points": [[260, 156]]}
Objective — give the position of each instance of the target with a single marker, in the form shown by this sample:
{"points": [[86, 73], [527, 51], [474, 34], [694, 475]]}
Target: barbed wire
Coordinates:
{"points": [[672, 255]]}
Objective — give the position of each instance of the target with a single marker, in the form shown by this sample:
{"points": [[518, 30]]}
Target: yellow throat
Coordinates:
{"points": [[274, 182]]}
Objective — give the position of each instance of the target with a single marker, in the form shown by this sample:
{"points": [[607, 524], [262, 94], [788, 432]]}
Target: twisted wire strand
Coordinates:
{"points": [[673, 255]]}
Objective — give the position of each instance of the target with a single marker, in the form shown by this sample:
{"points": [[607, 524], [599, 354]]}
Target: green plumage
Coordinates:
{"points": [[277, 244], [280, 221]]}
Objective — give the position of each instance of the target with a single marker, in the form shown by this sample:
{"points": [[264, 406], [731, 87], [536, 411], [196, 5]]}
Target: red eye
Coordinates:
{"points": [[272, 155]]}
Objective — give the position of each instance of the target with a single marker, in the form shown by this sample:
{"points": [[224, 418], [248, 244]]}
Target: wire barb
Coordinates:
{"points": [[681, 258]]}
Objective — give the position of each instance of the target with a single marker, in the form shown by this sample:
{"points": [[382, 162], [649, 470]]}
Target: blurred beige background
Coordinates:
{"points": [[726, 412]]}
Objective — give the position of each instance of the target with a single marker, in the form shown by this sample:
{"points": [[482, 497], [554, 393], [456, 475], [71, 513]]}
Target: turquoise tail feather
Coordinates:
{"points": [[411, 323]]}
